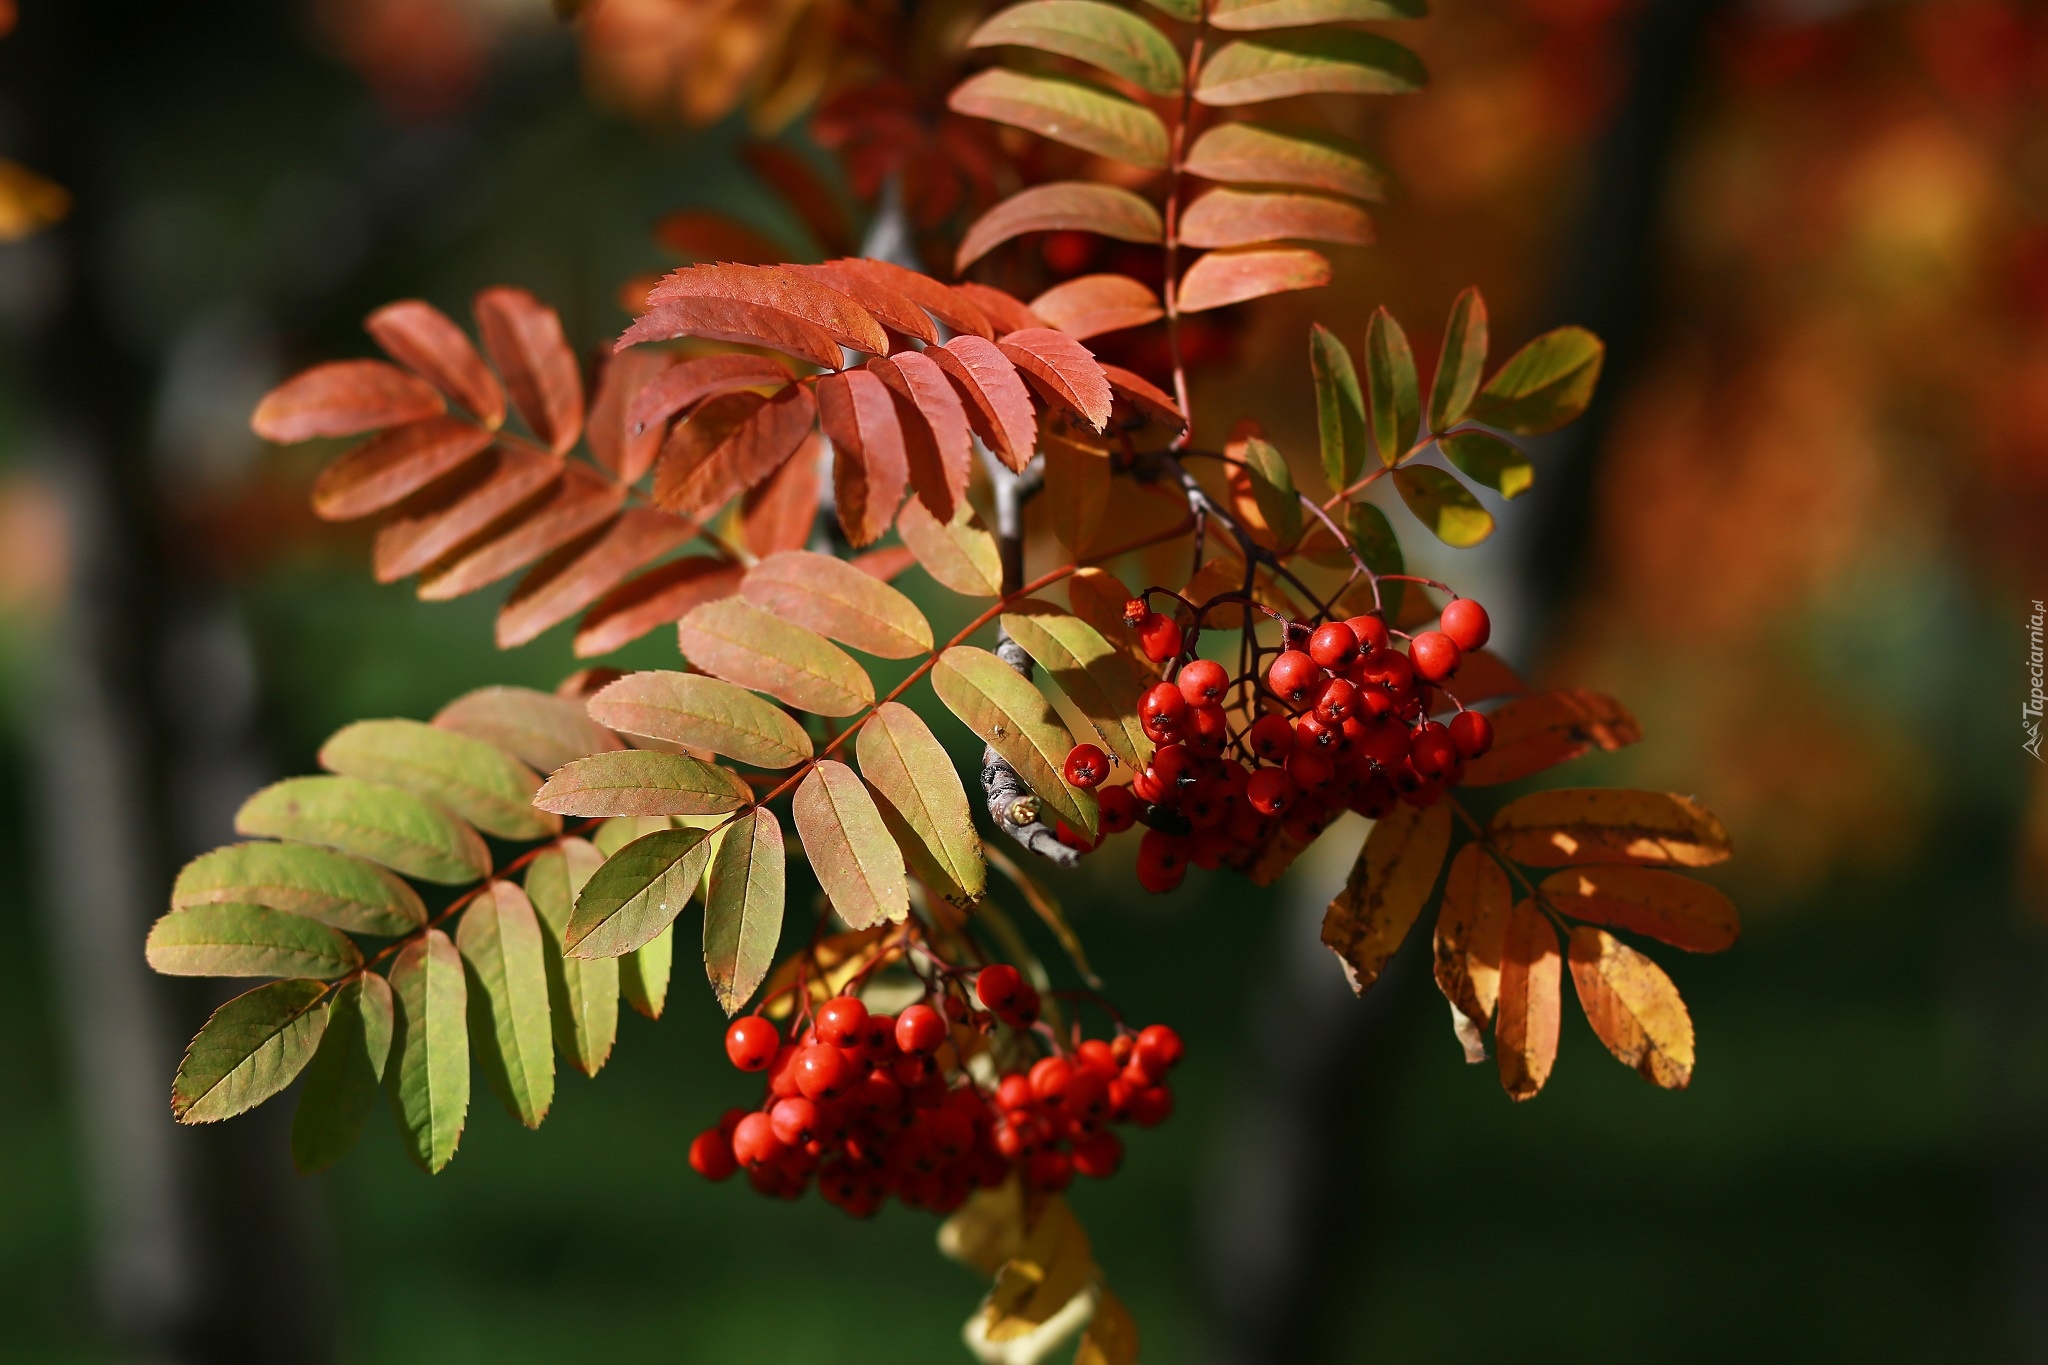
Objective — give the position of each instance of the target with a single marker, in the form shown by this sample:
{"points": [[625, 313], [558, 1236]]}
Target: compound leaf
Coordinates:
{"points": [[921, 798], [251, 1048], [384, 824], [225, 939], [1387, 888], [478, 781]]}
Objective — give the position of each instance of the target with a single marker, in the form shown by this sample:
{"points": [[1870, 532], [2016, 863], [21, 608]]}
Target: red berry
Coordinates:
{"points": [[1388, 668], [1173, 767], [822, 1072], [1271, 738], [1049, 1076], [920, 1030], [880, 1043], [1293, 676], [999, 987], [1135, 612], [711, 1155], [1333, 646], [1014, 1091], [1098, 1055], [1098, 1155], [1271, 791], [1385, 744], [795, 1121], [843, 1022], [1086, 766], [1465, 621], [1434, 654], [1470, 731], [750, 1042], [1309, 768], [1371, 632], [1146, 787], [1158, 1050], [1159, 637], [1162, 861], [1118, 809], [1202, 681], [1050, 1170], [1151, 1106], [782, 1072], [754, 1143], [1375, 797], [1339, 701], [1161, 710], [1207, 730]]}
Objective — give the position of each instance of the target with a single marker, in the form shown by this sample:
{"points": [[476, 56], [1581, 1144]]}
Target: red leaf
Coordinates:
{"points": [[524, 338], [613, 441], [749, 324], [663, 594], [497, 484], [578, 574], [955, 310], [892, 308], [1062, 206], [781, 513], [581, 501], [1225, 277], [734, 442], [1240, 218], [1064, 368], [1093, 304], [343, 398], [998, 405], [1005, 313], [395, 464], [885, 563], [937, 442], [426, 340], [681, 387], [869, 470], [1144, 395], [840, 317], [804, 190], [699, 235]]}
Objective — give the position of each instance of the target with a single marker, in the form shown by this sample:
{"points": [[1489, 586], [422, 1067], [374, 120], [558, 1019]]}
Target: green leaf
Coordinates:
{"points": [[539, 729], [1071, 112], [1461, 362], [919, 794], [616, 833], [1377, 545], [345, 1075], [500, 941], [249, 1050], [1013, 718], [851, 851], [704, 713], [743, 913], [644, 973], [1340, 408], [1390, 379], [1332, 62], [1444, 505], [642, 782], [248, 940], [756, 649], [1106, 36], [1187, 11], [385, 825], [636, 894], [302, 879], [1092, 672], [583, 993], [1487, 459], [429, 1085], [839, 601], [1544, 385], [479, 782], [1273, 489], [1253, 154], [1239, 16]]}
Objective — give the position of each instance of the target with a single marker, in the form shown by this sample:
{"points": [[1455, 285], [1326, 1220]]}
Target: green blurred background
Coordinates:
{"points": [[1800, 536]]}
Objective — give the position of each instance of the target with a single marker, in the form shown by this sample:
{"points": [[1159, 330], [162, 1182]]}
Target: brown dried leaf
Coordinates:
{"points": [[580, 502], [869, 468], [998, 405], [734, 442], [1063, 368], [426, 340], [443, 518], [343, 398], [525, 341], [1388, 886], [1097, 596], [1077, 479], [393, 465], [938, 445], [1676, 910], [1545, 729], [1633, 1007], [1603, 825], [1483, 675], [578, 574], [1469, 931], [1090, 305], [1531, 976], [1112, 1334], [663, 594], [1226, 277]]}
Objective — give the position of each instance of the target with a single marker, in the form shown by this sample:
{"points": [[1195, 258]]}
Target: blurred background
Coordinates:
{"points": [[1800, 534]]}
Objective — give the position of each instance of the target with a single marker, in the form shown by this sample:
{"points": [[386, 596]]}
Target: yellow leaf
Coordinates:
{"points": [[1676, 910], [1084, 666], [959, 554], [1012, 717], [1053, 1267], [1076, 488], [1525, 1034], [1097, 597], [987, 1230], [1389, 884], [1112, 1335], [1548, 728], [1634, 1007], [1469, 930], [1602, 825]]}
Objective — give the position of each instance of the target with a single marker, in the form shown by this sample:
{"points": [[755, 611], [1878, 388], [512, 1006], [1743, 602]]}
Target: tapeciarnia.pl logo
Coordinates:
{"points": [[2030, 713]]}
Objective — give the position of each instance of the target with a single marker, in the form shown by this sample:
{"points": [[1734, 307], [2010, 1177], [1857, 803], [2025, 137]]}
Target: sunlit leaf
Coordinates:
{"points": [[661, 596], [1090, 305], [851, 851], [1061, 206], [1544, 385], [579, 502], [1072, 112], [987, 1230], [1531, 975], [1633, 1007], [524, 338], [743, 910], [1111, 1337], [640, 782], [938, 443], [840, 602], [251, 1048], [500, 942], [1340, 407], [919, 795], [959, 554], [1387, 888], [477, 781], [1040, 1285], [1461, 362], [1676, 910], [1487, 459], [1077, 480], [997, 403], [1469, 931], [1249, 15], [384, 824], [1013, 717], [615, 442], [1106, 36], [395, 464], [426, 340], [735, 441], [644, 974], [343, 398], [756, 649], [703, 713], [1391, 384], [637, 893], [1089, 670], [1226, 277], [500, 481], [870, 467], [539, 729], [893, 309], [302, 879], [944, 303], [781, 513], [1443, 505], [1138, 392], [1098, 597], [1225, 217], [1603, 825], [1252, 154], [1544, 729], [345, 1078], [785, 291], [583, 993], [679, 388], [428, 1073], [1064, 369], [578, 574], [1338, 62], [226, 939], [736, 320], [1482, 675]]}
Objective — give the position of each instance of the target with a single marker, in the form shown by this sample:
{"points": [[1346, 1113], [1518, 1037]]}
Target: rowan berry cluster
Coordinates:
{"points": [[1341, 717], [874, 1105]]}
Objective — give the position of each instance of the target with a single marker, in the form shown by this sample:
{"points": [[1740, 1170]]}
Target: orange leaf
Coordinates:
{"points": [[1483, 675], [1005, 312], [938, 445], [884, 564], [1387, 889], [959, 554], [1469, 931], [1531, 977], [1063, 368], [742, 644], [1142, 394], [736, 320], [1077, 487], [1602, 825], [1548, 728], [343, 398], [663, 594], [1062, 206], [701, 235], [949, 306], [582, 500], [525, 341], [704, 714], [1097, 596], [1090, 305], [539, 730], [395, 464], [869, 469], [998, 405], [1241, 218], [1633, 1007], [893, 309], [578, 574], [1226, 277], [781, 513], [1676, 910], [426, 340], [681, 387], [734, 442], [628, 453], [837, 600], [803, 189], [493, 486], [785, 291]]}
